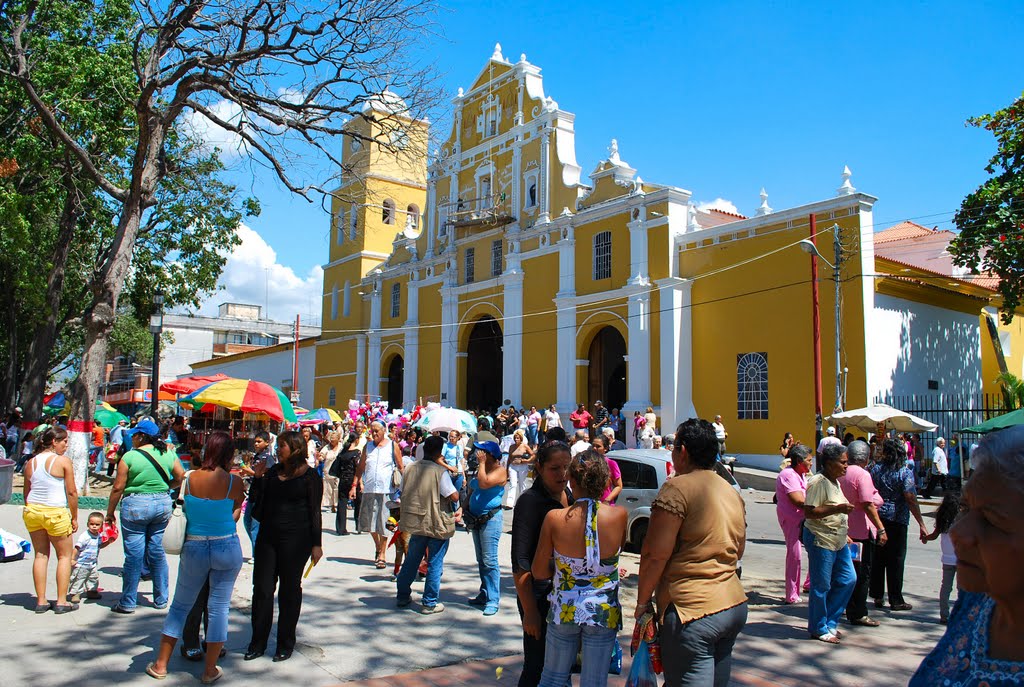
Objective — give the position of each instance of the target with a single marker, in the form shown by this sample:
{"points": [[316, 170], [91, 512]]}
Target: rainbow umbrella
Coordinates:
{"points": [[188, 385], [319, 416], [246, 395], [299, 410]]}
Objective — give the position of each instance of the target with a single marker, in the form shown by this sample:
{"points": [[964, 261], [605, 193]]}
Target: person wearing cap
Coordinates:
{"points": [[829, 438], [145, 476], [485, 517]]}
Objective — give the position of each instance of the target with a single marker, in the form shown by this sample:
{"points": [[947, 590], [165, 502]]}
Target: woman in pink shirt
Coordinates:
{"points": [[790, 489], [865, 527]]}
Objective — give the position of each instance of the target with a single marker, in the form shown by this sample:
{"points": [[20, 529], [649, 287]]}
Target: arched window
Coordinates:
{"points": [[334, 302], [346, 305], [602, 255], [396, 299], [752, 386], [387, 213], [339, 226], [353, 220], [332, 397], [412, 218]]}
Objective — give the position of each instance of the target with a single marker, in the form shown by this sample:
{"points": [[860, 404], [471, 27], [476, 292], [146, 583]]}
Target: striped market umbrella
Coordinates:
{"points": [[319, 416], [246, 395], [187, 385]]}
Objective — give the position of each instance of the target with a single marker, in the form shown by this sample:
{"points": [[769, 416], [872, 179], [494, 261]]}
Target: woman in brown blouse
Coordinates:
{"points": [[688, 564]]}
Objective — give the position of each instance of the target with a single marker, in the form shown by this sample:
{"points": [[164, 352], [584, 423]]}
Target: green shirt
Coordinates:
{"points": [[143, 477]]}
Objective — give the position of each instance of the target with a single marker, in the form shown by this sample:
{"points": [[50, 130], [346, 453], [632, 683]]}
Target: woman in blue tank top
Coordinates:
{"points": [[212, 503]]}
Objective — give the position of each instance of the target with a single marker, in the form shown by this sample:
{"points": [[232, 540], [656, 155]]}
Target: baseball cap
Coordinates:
{"points": [[147, 427], [485, 441], [832, 431]]}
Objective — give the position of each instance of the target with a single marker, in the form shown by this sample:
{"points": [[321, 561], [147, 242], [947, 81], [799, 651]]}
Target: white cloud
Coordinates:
{"points": [[230, 144], [718, 204], [253, 275]]}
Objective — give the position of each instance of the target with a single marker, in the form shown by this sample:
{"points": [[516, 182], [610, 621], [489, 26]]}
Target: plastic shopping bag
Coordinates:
{"points": [[641, 674]]}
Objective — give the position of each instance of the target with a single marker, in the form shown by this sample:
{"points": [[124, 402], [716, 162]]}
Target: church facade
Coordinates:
{"points": [[497, 269]]}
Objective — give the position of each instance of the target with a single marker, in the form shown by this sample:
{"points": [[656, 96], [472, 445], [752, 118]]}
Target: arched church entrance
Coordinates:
{"points": [[396, 380], [607, 368], [484, 365]]}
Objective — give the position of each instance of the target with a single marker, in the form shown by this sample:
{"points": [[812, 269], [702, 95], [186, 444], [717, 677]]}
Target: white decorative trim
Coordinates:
{"points": [[355, 256], [462, 354], [582, 363], [579, 329], [339, 374], [465, 316]]}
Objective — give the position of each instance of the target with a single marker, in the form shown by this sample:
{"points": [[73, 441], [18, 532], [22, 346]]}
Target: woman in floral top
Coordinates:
{"points": [[984, 641], [583, 542]]}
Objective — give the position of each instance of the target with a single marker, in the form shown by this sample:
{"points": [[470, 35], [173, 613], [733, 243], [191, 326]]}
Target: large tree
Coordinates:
{"points": [[291, 73], [991, 219]]}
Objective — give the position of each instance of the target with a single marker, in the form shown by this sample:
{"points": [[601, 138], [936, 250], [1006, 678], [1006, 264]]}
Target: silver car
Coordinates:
{"points": [[644, 470]]}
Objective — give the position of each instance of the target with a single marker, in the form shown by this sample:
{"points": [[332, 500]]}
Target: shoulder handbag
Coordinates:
{"points": [[174, 533], [396, 474]]}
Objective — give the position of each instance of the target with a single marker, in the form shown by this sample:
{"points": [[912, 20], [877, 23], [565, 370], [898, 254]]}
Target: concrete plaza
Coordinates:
{"points": [[350, 630]]}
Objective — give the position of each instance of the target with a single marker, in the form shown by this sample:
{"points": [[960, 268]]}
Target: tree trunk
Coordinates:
{"points": [[9, 384], [37, 364], [98, 320]]}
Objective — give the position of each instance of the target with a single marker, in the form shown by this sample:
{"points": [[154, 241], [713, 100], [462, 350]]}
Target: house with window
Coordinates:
{"points": [[599, 287]]}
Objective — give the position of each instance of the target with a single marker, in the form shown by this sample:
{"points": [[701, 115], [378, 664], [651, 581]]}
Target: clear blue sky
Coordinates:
{"points": [[722, 98]]}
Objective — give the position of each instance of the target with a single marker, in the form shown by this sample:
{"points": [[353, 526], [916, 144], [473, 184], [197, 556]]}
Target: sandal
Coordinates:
{"points": [[42, 608], [151, 671], [210, 680], [866, 622], [380, 564], [828, 638], [60, 609]]}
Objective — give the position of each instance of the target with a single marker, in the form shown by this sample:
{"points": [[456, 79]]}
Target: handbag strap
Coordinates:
{"points": [[159, 468], [180, 498]]}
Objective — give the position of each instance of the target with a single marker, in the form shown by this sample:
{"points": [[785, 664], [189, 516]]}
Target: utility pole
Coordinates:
{"points": [[156, 326]]}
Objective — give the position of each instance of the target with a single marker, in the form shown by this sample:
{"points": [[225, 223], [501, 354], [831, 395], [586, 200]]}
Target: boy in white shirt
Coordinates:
{"points": [[85, 563]]}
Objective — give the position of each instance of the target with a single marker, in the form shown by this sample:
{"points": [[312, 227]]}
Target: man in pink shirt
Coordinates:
{"points": [[865, 527]]}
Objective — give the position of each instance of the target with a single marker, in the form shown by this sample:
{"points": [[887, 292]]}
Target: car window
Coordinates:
{"points": [[648, 477], [630, 473]]}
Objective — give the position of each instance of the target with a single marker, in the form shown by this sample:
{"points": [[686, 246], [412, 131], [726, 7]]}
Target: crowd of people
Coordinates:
{"points": [[412, 489]]}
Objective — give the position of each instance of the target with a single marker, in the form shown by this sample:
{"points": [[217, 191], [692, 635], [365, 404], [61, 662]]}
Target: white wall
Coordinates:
{"points": [[272, 368], [914, 343], [190, 346]]}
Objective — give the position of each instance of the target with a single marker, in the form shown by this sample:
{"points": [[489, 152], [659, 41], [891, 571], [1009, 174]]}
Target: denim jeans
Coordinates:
{"points": [[251, 525], [419, 545], [562, 646], [143, 521], [531, 434], [699, 653], [101, 459], [216, 559], [832, 581], [485, 542]]}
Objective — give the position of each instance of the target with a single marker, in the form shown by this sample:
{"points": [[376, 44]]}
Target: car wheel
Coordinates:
{"points": [[636, 538]]}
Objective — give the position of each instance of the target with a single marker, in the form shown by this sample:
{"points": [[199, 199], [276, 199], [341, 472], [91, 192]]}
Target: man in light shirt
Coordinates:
{"points": [[720, 434], [939, 470], [581, 444]]}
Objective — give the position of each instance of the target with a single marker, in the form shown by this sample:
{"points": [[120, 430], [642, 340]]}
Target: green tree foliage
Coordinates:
{"points": [[1012, 388], [991, 219]]}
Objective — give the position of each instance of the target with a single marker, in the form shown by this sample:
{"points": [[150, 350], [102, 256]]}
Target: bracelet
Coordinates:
{"points": [[881, 531]]}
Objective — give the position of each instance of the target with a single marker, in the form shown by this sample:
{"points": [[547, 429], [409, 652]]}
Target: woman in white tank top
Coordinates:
{"points": [[51, 515]]}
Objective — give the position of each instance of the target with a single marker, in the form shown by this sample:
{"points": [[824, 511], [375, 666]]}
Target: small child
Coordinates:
{"points": [[84, 575], [944, 517]]}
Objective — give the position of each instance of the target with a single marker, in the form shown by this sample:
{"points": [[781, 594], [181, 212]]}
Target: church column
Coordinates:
{"points": [[517, 179], [412, 346], [684, 392], [676, 365], [373, 355], [431, 213], [638, 346], [565, 302], [638, 246], [449, 343], [542, 191], [360, 367], [512, 335]]}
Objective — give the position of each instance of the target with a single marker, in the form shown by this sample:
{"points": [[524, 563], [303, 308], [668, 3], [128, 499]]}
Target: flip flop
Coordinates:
{"points": [[828, 638], [210, 680], [380, 564], [151, 671], [866, 622]]}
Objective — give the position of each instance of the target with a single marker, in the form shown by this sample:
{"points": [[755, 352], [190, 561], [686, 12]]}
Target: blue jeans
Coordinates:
{"points": [[143, 521], [699, 653], [531, 434], [563, 643], [251, 525], [101, 459], [485, 542], [419, 545], [832, 582], [216, 559]]}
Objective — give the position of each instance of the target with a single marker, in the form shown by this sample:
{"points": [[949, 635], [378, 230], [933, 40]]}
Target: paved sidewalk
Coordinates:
{"points": [[350, 631]]}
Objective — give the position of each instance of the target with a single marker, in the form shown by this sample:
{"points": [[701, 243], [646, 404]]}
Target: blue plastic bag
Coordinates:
{"points": [[615, 665], [641, 674]]}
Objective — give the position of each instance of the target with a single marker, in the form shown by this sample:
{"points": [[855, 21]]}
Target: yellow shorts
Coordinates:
{"points": [[55, 520]]}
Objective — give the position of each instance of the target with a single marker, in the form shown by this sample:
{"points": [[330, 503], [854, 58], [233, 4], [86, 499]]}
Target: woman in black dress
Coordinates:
{"points": [[287, 505], [344, 469]]}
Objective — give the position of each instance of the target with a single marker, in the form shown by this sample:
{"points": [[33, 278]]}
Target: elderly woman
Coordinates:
{"points": [[378, 462], [790, 489], [689, 560], [984, 641], [520, 460], [326, 457], [897, 487], [828, 554], [145, 476]]}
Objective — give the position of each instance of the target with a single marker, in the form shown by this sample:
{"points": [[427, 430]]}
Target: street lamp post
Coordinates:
{"points": [[808, 246], [156, 326]]}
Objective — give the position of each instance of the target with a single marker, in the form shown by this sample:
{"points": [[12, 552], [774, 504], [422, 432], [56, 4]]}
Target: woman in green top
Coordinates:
{"points": [[145, 476]]}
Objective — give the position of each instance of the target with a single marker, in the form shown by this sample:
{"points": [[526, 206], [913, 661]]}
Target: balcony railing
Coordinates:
{"points": [[490, 211]]}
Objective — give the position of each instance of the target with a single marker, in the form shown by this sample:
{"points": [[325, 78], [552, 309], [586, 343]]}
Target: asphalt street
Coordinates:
{"points": [[350, 629]]}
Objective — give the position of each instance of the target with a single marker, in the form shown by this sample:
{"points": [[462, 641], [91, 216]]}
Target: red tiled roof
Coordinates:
{"points": [[726, 213], [907, 230]]}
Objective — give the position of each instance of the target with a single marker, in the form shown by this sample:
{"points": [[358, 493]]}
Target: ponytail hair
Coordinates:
{"points": [[45, 441], [590, 471]]}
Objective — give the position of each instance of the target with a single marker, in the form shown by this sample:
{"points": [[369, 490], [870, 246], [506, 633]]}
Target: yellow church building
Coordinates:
{"points": [[495, 268]]}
